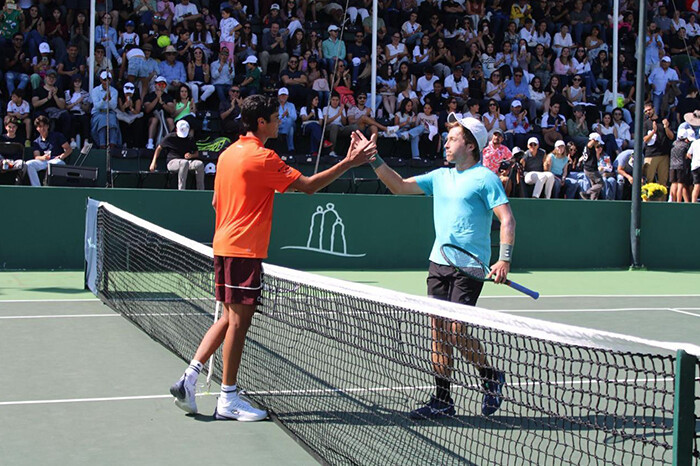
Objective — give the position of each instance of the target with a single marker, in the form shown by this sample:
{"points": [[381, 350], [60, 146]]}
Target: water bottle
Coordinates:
{"points": [[205, 123]]}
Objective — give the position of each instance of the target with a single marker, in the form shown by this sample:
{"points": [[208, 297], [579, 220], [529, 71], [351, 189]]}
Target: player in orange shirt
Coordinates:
{"points": [[248, 174]]}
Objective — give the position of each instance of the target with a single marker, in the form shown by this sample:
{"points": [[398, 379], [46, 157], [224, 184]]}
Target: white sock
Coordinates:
{"points": [[193, 370], [228, 392], [150, 141]]}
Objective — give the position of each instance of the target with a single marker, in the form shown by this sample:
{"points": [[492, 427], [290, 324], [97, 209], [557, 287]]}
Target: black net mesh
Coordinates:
{"points": [[342, 365]]}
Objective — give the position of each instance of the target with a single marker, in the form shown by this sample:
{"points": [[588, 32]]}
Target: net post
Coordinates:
{"points": [[684, 409]]}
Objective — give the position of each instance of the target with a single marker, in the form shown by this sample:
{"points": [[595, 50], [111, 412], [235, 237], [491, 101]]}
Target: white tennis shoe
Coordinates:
{"points": [[237, 409], [184, 393]]}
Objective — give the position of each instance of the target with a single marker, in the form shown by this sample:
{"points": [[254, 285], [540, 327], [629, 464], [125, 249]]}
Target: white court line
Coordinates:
{"points": [[685, 312], [47, 300], [637, 381], [67, 316], [622, 309], [597, 296]]}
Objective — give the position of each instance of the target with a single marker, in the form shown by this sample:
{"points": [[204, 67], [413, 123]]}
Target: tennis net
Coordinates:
{"points": [[340, 365]]}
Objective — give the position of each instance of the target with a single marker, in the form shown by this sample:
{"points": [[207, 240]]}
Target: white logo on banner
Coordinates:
{"points": [[326, 233]]}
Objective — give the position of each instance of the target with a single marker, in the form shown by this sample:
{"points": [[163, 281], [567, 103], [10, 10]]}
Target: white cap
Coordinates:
{"points": [[210, 168], [666, 59], [516, 103], [596, 137], [533, 140], [516, 150], [559, 143], [686, 133], [356, 61], [161, 79], [105, 75], [251, 59], [333, 27], [44, 47], [475, 127], [283, 91], [182, 128], [274, 6], [129, 88]]}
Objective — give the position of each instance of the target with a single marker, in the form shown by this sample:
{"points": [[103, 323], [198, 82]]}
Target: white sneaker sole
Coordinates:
{"points": [[183, 405], [241, 417]]}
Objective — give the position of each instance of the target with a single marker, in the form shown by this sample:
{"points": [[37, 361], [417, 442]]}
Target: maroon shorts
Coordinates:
{"points": [[238, 279]]}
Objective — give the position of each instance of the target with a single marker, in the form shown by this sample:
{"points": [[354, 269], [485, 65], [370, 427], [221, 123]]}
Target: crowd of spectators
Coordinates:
{"points": [[537, 73]]}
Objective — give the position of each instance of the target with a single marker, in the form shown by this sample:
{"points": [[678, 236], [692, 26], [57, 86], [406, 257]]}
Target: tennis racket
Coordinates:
{"points": [[471, 266]]}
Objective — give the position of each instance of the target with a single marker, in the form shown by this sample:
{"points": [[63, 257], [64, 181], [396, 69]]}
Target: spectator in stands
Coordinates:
{"points": [[607, 172], [101, 61], [333, 48], [557, 163], [18, 109], [247, 42], [457, 86], [657, 145], [78, 104], [411, 30], [517, 125], [199, 77], [72, 64], [106, 35], [317, 80], [540, 65], [441, 58], [425, 83], [227, 28], [361, 115], [186, 13], [654, 48], [694, 154], [181, 152], [495, 88], [17, 64], [421, 55], [42, 64], [295, 80], [496, 152], [623, 139], [47, 101], [251, 83], [535, 173], [11, 136], [472, 107], [80, 34], [336, 122], [104, 105], [358, 50], [553, 125], [660, 79], [396, 51], [287, 117], [230, 113], [577, 127], [589, 159], [311, 121], [34, 29], [438, 97], [49, 148], [222, 74], [679, 174], [294, 16], [493, 119], [57, 33], [159, 108], [129, 113], [184, 104], [172, 70], [561, 40], [296, 44], [11, 21], [406, 92], [580, 21], [274, 49], [624, 164]]}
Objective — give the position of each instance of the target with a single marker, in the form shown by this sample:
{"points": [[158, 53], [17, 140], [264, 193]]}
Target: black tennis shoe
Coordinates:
{"points": [[494, 393], [435, 408]]}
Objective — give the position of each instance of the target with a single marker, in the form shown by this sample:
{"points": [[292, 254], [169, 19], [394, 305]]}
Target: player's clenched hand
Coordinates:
{"points": [[499, 271], [361, 149]]}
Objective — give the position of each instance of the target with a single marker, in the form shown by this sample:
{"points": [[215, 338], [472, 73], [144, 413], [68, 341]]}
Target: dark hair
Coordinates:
{"points": [[189, 91], [8, 119], [402, 107], [18, 92], [41, 119], [255, 107]]}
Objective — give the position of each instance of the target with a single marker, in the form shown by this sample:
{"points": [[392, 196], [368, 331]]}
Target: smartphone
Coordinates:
{"points": [[11, 6]]}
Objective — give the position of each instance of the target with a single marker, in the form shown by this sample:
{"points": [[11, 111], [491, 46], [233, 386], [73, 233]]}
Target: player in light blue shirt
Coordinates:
{"points": [[465, 198]]}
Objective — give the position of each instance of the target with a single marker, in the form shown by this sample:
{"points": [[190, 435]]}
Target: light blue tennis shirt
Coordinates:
{"points": [[463, 203]]}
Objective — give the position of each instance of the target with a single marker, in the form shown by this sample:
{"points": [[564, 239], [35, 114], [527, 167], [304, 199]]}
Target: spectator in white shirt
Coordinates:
{"points": [[424, 86], [457, 86], [561, 39], [186, 12]]}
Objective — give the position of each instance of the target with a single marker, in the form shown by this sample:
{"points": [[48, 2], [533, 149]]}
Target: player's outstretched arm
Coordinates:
{"points": [[393, 180], [360, 151], [499, 270]]}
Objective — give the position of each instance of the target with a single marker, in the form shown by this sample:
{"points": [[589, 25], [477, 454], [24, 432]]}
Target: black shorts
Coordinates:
{"points": [[238, 280], [679, 175], [445, 283], [696, 176]]}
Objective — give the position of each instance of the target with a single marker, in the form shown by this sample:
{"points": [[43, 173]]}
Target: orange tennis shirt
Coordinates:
{"points": [[247, 176]]}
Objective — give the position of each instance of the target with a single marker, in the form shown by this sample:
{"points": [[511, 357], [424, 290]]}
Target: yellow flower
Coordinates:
{"points": [[653, 191]]}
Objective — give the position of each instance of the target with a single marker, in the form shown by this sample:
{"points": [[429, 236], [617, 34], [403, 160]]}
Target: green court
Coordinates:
{"points": [[84, 386]]}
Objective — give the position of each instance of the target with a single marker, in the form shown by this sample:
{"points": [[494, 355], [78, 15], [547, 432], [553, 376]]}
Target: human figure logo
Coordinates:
{"points": [[326, 233]]}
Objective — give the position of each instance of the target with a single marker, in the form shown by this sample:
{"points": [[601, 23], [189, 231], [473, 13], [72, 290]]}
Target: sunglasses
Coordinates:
{"points": [[577, 79], [517, 74], [292, 61], [234, 90], [490, 105]]}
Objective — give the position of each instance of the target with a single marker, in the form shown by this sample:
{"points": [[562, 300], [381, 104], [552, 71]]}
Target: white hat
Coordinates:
{"points": [[474, 126], [596, 137], [686, 133], [516, 103], [333, 27], [210, 168], [533, 140], [44, 47], [283, 91], [182, 128], [161, 79], [274, 6], [356, 61], [251, 59], [516, 150], [666, 59], [129, 88], [105, 75], [559, 143]]}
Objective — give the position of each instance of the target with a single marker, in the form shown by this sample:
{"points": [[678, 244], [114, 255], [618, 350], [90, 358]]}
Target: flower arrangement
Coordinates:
{"points": [[653, 192]]}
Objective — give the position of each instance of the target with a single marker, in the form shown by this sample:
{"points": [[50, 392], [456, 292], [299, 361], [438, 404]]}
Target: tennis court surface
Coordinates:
{"points": [[340, 370]]}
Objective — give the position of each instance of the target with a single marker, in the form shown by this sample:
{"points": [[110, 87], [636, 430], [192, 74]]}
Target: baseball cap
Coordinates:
{"points": [[251, 59], [356, 61], [274, 6], [170, 49], [182, 128], [129, 88], [459, 68], [161, 79], [498, 130], [51, 73], [666, 59], [686, 133], [596, 137], [333, 27], [474, 126], [283, 91], [210, 168], [559, 143], [44, 47], [147, 47], [105, 75], [533, 140], [129, 23], [516, 103]]}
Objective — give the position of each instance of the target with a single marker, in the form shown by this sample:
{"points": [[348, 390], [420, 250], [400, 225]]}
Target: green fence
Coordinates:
{"points": [[42, 228]]}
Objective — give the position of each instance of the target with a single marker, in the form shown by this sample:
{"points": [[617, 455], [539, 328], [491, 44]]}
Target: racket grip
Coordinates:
{"points": [[522, 289]]}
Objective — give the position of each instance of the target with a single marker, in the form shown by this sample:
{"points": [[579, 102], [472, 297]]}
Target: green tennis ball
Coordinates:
{"points": [[163, 41]]}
